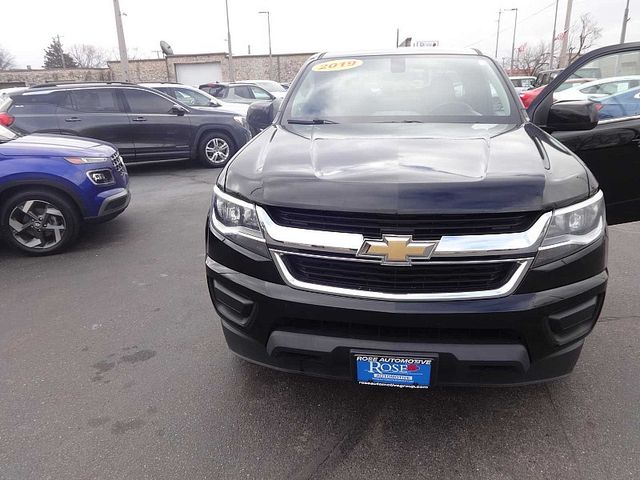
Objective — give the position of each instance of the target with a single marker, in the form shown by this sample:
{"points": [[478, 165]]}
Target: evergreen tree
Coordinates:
{"points": [[56, 57]]}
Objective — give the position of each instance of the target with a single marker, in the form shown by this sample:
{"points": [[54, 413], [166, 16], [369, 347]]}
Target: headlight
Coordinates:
{"points": [[572, 228], [83, 160], [237, 220], [241, 120]]}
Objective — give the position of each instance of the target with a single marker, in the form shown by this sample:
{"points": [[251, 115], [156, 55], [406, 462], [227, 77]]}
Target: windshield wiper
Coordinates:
{"points": [[315, 121], [401, 121]]}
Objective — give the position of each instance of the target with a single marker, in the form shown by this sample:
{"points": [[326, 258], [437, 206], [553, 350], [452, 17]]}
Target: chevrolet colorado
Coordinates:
{"points": [[403, 221]]}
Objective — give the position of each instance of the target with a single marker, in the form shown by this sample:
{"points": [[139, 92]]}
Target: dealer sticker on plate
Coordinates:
{"points": [[393, 371]]}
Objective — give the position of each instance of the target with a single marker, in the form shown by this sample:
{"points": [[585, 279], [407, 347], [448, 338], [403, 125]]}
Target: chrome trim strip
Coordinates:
{"points": [[448, 246], [377, 262], [278, 235], [494, 244], [503, 291]]}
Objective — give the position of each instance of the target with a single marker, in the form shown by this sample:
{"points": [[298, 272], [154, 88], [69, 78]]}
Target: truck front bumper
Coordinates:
{"points": [[522, 338]]}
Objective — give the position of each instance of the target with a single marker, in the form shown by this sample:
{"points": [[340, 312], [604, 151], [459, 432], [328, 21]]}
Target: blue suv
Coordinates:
{"points": [[51, 184]]}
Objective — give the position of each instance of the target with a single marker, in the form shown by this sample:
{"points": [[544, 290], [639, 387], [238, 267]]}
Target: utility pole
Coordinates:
{"points": [[122, 46], [269, 30], [64, 64], [232, 75], [397, 37], [553, 37], [625, 19], [564, 60], [513, 43], [498, 33]]}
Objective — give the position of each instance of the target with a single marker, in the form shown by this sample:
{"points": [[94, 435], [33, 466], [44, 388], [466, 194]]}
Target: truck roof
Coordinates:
{"points": [[400, 51]]}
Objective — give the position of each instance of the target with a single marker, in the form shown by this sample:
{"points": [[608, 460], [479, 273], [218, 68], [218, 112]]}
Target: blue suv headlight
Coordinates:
{"points": [[85, 160]]}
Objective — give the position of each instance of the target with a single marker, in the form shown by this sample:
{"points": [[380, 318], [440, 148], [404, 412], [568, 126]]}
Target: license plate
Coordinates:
{"points": [[393, 370]]}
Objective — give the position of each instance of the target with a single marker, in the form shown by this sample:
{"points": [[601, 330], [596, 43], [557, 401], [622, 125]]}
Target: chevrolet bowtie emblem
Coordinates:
{"points": [[396, 249]]}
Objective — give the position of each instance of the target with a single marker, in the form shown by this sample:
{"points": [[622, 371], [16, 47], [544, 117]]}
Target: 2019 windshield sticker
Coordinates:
{"points": [[337, 65]]}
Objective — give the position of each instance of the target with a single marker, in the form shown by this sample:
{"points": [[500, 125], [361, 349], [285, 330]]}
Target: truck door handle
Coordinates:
{"points": [[138, 119], [73, 119]]}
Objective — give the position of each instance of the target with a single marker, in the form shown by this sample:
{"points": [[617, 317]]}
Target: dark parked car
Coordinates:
{"points": [[402, 221], [237, 92], [144, 124], [50, 184]]}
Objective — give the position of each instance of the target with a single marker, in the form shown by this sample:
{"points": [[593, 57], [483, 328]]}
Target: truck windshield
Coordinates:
{"points": [[401, 88]]}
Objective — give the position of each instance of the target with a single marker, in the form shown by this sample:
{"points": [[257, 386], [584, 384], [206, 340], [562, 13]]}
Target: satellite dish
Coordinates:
{"points": [[166, 48]]}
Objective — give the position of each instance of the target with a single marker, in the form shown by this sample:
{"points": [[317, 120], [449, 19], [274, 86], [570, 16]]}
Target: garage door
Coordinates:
{"points": [[195, 74]]}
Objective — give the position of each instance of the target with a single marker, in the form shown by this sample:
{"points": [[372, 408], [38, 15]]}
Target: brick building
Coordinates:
{"points": [[207, 67]]}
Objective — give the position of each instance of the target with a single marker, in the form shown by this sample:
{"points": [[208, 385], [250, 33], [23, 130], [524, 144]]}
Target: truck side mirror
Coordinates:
{"points": [[261, 114], [572, 116]]}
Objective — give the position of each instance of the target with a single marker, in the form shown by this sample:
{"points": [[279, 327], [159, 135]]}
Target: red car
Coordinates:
{"points": [[529, 96]]}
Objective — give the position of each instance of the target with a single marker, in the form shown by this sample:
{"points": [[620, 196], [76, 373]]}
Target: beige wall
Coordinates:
{"points": [[35, 77], [247, 67]]}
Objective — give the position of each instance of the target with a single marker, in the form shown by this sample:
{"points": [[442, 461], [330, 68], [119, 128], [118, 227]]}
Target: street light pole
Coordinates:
{"points": [[232, 74], [498, 33], [270, 56], [563, 61], [553, 37], [122, 46], [513, 43], [623, 33]]}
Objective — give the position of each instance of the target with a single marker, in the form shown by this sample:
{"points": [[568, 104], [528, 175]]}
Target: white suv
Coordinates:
{"points": [[196, 98]]}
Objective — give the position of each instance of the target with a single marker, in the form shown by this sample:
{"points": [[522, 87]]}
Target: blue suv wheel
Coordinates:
{"points": [[39, 222]]}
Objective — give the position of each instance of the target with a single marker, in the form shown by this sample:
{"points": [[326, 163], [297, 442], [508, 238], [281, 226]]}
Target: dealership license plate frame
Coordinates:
{"points": [[363, 379]]}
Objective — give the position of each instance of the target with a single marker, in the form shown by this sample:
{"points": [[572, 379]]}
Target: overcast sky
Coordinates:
{"points": [[193, 26]]}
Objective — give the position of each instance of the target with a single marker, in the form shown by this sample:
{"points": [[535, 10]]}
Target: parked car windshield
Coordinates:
{"points": [[269, 85], [401, 88], [193, 97]]}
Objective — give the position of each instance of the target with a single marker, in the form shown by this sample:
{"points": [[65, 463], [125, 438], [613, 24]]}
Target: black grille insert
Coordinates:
{"points": [[412, 333], [418, 278], [424, 227]]}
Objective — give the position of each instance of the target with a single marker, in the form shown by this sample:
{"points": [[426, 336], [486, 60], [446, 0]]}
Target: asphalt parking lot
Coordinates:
{"points": [[113, 365]]}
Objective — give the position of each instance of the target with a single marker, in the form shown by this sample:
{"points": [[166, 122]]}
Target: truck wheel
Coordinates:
{"points": [[215, 150], [39, 222]]}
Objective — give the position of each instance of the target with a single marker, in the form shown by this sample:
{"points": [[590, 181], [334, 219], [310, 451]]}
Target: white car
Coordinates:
{"points": [[5, 92], [599, 88], [523, 83], [196, 98], [274, 88]]}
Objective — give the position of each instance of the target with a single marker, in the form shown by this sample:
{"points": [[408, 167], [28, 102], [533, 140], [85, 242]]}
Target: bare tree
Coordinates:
{"points": [[88, 56], [584, 34], [6, 59], [533, 58]]}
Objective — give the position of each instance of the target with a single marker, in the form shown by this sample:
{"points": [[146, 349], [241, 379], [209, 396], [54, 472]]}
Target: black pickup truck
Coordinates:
{"points": [[403, 221]]}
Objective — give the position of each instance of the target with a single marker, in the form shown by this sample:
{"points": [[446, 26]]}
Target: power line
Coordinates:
{"points": [[518, 23]]}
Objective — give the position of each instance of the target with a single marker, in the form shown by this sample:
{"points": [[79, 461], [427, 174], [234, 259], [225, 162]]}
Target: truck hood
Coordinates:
{"points": [[408, 168], [56, 146]]}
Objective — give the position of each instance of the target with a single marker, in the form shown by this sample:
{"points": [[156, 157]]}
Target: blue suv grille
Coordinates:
{"points": [[117, 162]]}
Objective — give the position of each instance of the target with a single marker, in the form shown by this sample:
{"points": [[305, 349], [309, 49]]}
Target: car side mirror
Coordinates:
{"points": [[178, 110], [572, 116], [261, 114]]}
